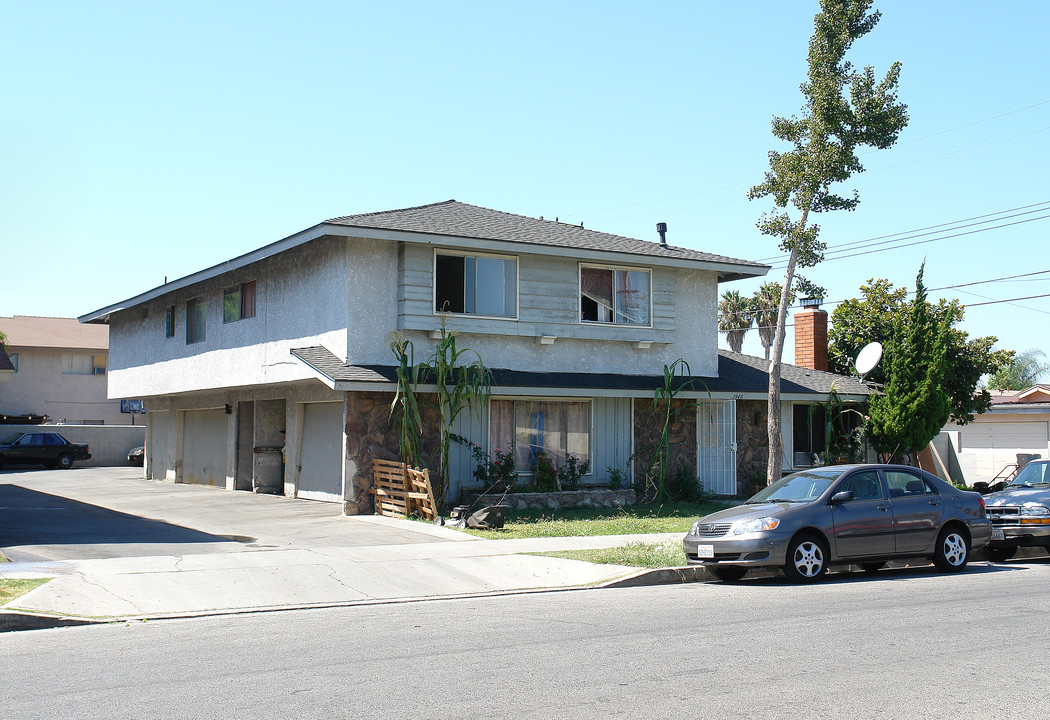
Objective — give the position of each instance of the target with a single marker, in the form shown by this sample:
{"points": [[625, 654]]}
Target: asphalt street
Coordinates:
{"points": [[906, 643]]}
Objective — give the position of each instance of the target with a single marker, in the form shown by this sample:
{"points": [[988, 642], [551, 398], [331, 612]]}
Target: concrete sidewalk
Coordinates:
{"points": [[187, 585], [148, 549]]}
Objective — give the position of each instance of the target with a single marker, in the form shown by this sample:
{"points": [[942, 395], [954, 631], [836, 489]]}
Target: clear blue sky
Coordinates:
{"points": [[144, 140]]}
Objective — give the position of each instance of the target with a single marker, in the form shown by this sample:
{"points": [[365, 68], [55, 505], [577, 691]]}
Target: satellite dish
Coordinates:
{"points": [[868, 358]]}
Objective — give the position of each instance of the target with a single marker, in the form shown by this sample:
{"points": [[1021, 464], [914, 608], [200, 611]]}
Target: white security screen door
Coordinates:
{"points": [[716, 445]]}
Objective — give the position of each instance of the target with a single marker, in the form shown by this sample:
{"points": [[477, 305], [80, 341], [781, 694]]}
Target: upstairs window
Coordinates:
{"points": [[14, 361], [169, 322], [83, 364], [617, 296], [196, 321], [476, 285], [238, 302]]}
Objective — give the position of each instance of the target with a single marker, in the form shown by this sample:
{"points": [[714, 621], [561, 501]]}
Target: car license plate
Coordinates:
{"points": [[998, 534], [705, 551]]}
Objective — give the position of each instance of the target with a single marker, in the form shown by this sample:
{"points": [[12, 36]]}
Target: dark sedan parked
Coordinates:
{"points": [[42, 448], [865, 514]]}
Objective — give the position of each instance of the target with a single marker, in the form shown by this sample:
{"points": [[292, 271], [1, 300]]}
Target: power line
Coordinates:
{"points": [[917, 231]]}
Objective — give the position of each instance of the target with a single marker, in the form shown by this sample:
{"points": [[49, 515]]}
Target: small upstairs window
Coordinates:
{"points": [[196, 320], [169, 322], [238, 302], [476, 285]]}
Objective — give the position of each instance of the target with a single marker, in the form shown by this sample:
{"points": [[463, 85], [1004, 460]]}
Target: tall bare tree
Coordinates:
{"points": [[844, 109], [735, 315]]}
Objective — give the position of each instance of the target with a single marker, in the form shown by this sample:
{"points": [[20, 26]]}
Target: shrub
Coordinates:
{"points": [[573, 471], [544, 474]]}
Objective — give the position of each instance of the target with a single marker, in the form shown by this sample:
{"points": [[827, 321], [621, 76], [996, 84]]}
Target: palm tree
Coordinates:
{"points": [[766, 303], [1024, 371], [735, 315]]}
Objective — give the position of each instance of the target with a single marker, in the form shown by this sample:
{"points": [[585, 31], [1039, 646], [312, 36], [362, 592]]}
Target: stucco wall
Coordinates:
{"points": [[301, 300], [41, 388]]}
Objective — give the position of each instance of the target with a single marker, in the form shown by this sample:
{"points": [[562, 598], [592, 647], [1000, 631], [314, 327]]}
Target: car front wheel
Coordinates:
{"points": [[65, 461], [953, 550], [807, 559]]}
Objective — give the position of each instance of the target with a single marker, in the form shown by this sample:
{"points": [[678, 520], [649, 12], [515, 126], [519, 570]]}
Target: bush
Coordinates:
{"points": [[573, 471], [544, 474]]}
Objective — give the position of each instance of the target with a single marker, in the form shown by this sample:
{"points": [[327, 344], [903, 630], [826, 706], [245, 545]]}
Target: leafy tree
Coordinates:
{"points": [[735, 315], [766, 302], [916, 404], [1022, 372], [872, 318], [844, 109]]}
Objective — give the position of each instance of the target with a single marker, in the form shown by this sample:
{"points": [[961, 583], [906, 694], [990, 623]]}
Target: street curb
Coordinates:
{"points": [[15, 621], [662, 576]]}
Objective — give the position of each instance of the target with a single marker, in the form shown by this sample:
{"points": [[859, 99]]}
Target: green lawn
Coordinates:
{"points": [[633, 520], [640, 555], [10, 589]]}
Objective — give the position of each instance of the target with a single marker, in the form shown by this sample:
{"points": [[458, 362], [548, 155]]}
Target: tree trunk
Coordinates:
{"points": [[776, 442]]}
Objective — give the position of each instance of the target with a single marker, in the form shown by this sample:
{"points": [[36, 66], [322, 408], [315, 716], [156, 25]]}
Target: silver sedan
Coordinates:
{"points": [[863, 514]]}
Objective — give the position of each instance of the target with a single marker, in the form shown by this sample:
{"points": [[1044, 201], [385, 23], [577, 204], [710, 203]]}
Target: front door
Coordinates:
{"points": [[863, 525], [716, 445]]}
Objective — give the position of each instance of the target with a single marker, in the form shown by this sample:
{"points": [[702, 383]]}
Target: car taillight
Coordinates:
{"points": [[981, 500]]}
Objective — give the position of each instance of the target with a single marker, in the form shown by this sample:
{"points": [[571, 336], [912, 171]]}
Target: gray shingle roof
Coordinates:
{"points": [[456, 219], [736, 374]]}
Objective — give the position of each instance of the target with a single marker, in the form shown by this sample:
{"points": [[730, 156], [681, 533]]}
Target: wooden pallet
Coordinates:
{"points": [[402, 491]]}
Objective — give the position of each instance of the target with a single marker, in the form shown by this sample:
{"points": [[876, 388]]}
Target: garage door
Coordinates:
{"points": [[204, 447], [159, 456], [1014, 437], [321, 460]]}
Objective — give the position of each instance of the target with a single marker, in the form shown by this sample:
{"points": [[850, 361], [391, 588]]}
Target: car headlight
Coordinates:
{"points": [[1035, 510], [745, 527], [694, 530]]}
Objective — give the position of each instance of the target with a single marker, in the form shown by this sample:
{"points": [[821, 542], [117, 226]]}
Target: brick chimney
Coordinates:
{"points": [[811, 335]]}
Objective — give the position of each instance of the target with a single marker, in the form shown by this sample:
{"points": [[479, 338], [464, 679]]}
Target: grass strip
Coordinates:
{"points": [[576, 522], [640, 555], [10, 589]]}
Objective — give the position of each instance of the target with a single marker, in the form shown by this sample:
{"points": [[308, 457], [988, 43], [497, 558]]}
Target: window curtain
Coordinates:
{"points": [[556, 428]]}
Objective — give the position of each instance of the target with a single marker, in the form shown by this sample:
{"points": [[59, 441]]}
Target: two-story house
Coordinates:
{"points": [[273, 371], [56, 371]]}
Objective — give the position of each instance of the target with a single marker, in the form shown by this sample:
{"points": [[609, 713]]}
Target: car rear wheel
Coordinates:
{"points": [[807, 559], [65, 461], [1000, 554], [729, 573], [953, 550]]}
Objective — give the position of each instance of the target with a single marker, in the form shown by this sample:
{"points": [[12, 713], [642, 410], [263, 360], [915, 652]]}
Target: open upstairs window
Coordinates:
{"points": [[616, 296], [238, 302], [476, 285]]}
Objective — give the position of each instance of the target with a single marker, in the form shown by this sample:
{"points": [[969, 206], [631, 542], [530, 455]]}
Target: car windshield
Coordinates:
{"points": [[1034, 473], [799, 487]]}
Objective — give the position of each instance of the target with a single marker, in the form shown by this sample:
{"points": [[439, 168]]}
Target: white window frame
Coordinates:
{"points": [[535, 398], [93, 366], [614, 268], [495, 256]]}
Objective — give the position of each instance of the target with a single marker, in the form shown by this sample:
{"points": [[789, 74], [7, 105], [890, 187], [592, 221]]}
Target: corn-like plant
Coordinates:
{"points": [[410, 423], [656, 470]]}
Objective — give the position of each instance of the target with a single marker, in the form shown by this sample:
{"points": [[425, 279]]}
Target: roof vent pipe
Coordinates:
{"points": [[662, 229]]}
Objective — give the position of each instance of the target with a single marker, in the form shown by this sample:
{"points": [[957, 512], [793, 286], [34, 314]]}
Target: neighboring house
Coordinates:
{"points": [[1018, 423], [273, 371], [56, 370]]}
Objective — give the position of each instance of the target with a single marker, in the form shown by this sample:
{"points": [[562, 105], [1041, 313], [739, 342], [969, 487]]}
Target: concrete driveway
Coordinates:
{"points": [[119, 547], [113, 512]]}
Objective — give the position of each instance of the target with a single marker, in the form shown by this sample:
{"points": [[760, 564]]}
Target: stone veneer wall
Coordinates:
{"points": [[752, 446], [649, 424], [372, 433]]}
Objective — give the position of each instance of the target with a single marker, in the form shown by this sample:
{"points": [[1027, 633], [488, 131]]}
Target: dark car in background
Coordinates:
{"points": [[1020, 513], [842, 515], [42, 448]]}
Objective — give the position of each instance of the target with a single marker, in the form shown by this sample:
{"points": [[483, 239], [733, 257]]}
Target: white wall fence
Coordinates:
{"points": [[109, 443]]}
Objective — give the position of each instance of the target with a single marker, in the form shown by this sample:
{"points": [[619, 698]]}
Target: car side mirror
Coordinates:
{"points": [[841, 497]]}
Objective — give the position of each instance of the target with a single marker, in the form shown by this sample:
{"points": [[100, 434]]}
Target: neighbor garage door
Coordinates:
{"points": [[321, 460], [204, 447], [159, 455]]}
